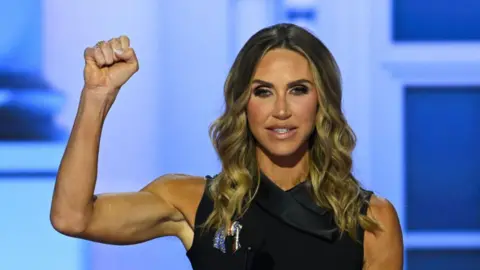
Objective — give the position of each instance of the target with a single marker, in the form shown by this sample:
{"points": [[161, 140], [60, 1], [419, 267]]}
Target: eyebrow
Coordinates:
{"points": [[290, 84]]}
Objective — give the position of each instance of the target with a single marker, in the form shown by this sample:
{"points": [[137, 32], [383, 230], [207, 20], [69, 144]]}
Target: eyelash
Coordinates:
{"points": [[264, 92]]}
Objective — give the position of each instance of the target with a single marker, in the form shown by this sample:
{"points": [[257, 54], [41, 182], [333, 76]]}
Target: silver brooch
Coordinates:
{"points": [[220, 237]]}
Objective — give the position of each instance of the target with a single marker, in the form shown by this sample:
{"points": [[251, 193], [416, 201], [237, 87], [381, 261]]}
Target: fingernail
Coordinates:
{"points": [[118, 51]]}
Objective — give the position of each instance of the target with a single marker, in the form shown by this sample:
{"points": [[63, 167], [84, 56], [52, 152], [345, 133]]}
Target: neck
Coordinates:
{"points": [[285, 171]]}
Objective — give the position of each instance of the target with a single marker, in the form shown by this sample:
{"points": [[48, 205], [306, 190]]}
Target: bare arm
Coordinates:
{"points": [[158, 209], [124, 218], [73, 199], [384, 249]]}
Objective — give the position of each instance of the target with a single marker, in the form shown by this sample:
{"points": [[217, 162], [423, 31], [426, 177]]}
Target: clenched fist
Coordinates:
{"points": [[109, 65]]}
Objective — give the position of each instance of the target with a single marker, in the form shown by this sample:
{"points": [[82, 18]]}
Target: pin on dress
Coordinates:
{"points": [[220, 237]]}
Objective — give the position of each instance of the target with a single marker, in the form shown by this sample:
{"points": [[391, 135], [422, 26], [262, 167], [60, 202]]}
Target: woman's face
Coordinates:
{"points": [[282, 107]]}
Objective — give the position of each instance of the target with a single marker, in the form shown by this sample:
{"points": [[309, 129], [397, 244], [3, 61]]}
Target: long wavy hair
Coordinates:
{"points": [[331, 144]]}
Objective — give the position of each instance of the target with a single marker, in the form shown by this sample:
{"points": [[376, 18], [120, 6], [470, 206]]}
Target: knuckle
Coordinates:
{"points": [[107, 50], [99, 58], [97, 53], [124, 39], [115, 43]]}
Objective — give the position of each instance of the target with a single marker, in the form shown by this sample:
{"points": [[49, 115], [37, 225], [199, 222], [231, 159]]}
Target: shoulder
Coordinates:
{"points": [[384, 248], [382, 210], [184, 192], [175, 184]]}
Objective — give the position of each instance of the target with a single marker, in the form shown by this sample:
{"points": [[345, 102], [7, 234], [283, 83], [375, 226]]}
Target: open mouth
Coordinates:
{"points": [[282, 132]]}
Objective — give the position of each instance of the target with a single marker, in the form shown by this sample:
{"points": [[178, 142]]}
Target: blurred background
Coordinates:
{"points": [[411, 72]]}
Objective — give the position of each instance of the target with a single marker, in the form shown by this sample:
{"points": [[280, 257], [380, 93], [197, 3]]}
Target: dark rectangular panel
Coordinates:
{"points": [[436, 20], [443, 259], [442, 158]]}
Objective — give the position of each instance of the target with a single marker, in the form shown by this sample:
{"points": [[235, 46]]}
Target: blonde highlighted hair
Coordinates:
{"points": [[331, 144]]}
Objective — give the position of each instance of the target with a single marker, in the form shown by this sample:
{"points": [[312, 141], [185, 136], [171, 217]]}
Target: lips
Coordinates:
{"points": [[285, 126], [282, 132]]}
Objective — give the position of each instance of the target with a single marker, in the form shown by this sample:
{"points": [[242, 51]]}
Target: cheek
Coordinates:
{"points": [[306, 111], [312, 111], [311, 108], [257, 113]]}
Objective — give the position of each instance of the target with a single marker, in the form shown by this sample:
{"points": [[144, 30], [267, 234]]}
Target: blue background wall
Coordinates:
{"points": [[411, 94]]}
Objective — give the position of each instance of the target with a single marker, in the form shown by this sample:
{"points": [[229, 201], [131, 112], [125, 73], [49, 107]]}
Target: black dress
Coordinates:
{"points": [[282, 230]]}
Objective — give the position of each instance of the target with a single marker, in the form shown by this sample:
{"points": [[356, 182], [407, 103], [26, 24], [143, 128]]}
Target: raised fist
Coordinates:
{"points": [[109, 65]]}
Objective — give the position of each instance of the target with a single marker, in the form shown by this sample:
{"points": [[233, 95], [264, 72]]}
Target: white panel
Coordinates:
{"points": [[249, 17], [443, 240], [130, 137], [381, 27], [195, 42], [388, 143], [431, 73], [344, 27], [130, 148], [300, 3], [27, 239], [355, 33], [433, 53], [28, 157]]}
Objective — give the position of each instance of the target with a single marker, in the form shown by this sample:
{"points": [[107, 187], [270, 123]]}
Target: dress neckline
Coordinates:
{"points": [[265, 178], [296, 208]]}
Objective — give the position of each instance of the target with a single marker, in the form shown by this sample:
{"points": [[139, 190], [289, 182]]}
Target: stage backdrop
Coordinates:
{"points": [[411, 93]]}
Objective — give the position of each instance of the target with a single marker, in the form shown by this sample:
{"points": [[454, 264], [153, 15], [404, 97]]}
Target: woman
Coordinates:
{"points": [[286, 197]]}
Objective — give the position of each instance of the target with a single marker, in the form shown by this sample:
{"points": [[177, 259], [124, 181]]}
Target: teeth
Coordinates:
{"points": [[281, 130]]}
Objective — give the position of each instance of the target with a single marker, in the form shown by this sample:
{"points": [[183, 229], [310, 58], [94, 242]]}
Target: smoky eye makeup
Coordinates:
{"points": [[264, 89], [299, 90], [261, 91]]}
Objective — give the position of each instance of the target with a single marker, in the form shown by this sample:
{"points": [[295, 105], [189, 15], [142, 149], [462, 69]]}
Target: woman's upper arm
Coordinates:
{"points": [[161, 208], [181, 192], [384, 249]]}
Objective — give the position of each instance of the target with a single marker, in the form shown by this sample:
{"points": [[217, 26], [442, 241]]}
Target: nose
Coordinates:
{"points": [[281, 110]]}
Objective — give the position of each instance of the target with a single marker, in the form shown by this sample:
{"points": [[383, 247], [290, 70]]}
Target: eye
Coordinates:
{"points": [[299, 90], [261, 92]]}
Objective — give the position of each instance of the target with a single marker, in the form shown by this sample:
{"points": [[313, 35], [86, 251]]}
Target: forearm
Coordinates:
{"points": [[73, 195]]}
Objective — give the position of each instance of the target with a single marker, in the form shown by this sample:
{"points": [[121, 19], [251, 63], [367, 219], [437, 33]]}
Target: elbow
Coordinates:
{"points": [[69, 225]]}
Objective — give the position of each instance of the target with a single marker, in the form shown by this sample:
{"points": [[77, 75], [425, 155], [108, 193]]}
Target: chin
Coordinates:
{"points": [[283, 149]]}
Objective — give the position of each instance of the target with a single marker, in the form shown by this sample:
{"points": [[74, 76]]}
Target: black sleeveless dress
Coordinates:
{"points": [[282, 230]]}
